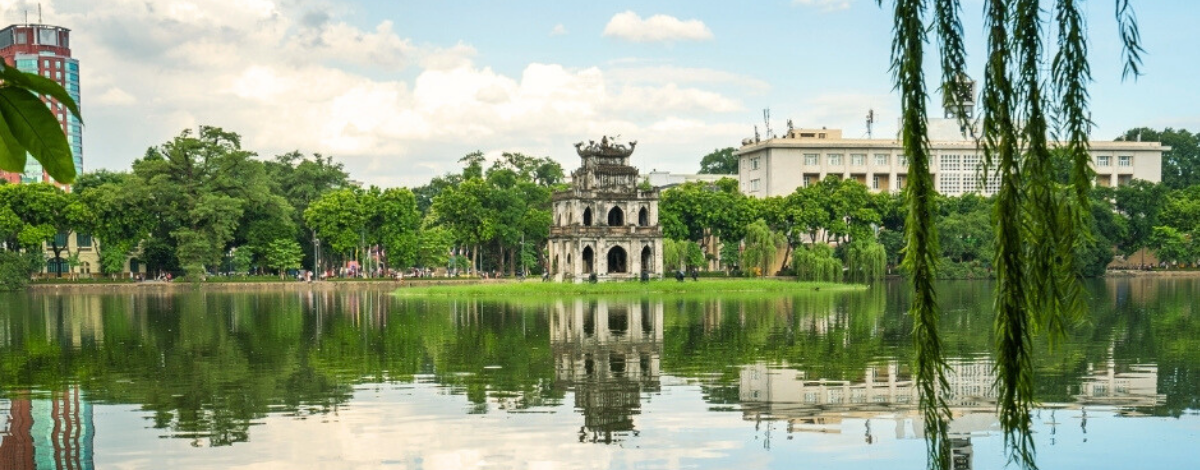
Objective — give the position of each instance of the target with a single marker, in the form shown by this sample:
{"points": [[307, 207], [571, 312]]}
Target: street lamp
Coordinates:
{"points": [[316, 256]]}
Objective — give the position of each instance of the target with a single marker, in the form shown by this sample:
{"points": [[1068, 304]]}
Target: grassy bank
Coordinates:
{"points": [[533, 288]]}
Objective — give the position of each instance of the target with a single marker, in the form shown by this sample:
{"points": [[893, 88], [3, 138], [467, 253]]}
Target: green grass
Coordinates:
{"points": [[532, 288]]}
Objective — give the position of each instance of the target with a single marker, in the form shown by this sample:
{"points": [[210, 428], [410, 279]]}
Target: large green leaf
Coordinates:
{"points": [[39, 84], [12, 153], [36, 128]]}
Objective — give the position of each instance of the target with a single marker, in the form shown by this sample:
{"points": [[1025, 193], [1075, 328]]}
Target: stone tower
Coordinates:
{"points": [[605, 224]]}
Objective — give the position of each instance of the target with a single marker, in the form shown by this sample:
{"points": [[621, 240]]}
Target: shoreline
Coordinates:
{"points": [[155, 286], [158, 286]]}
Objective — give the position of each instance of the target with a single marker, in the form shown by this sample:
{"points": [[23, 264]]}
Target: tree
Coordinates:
{"points": [[866, 260], [1171, 245], [1038, 223], [242, 259], [1140, 203], [205, 192], [762, 244], [29, 127], [695, 211], [283, 254], [396, 222], [719, 162], [47, 214], [121, 215], [815, 263], [339, 219]]}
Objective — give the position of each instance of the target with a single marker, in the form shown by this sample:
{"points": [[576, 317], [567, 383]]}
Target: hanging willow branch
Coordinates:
{"points": [[921, 254], [1039, 221]]}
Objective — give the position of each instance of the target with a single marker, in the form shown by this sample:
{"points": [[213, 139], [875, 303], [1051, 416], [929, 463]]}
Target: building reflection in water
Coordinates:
{"points": [[608, 352], [55, 433], [888, 392]]}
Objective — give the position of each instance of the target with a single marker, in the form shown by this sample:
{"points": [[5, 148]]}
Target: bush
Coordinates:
{"points": [[15, 269]]}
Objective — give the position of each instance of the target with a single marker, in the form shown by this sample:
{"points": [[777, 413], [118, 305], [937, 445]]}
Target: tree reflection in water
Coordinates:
{"points": [[207, 366]]}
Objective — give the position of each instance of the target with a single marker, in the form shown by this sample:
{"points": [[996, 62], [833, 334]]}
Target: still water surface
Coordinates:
{"points": [[367, 380]]}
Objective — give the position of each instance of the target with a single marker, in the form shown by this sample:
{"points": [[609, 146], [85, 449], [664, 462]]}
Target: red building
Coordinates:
{"points": [[46, 50], [54, 433]]}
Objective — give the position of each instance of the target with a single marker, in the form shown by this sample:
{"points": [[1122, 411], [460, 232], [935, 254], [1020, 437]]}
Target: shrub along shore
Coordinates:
{"points": [[531, 288]]}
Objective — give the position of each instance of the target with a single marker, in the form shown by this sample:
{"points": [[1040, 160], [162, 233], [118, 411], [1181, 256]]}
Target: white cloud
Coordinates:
{"points": [[288, 78], [658, 28], [114, 97], [673, 74], [558, 30], [824, 5]]}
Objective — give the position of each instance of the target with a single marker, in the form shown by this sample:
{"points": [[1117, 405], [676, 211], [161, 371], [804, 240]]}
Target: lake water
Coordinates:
{"points": [[200, 380]]}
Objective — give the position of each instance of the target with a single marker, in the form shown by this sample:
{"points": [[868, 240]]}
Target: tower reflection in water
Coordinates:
{"points": [[609, 353], [53, 433]]}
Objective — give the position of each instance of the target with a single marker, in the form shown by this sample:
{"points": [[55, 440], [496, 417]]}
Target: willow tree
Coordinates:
{"points": [[761, 246], [1038, 220]]}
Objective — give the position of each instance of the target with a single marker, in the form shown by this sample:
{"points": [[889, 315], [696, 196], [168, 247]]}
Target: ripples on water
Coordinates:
{"points": [[343, 379]]}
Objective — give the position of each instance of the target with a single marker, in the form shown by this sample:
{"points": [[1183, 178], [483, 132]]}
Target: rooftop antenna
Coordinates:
{"points": [[39, 13], [870, 121], [767, 122]]}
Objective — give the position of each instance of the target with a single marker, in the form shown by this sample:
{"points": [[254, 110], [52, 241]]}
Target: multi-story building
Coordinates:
{"points": [[46, 50], [801, 157]]}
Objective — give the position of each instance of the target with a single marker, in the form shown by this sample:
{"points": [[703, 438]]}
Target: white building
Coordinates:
{"points": [[664, 179], [776, 167]]}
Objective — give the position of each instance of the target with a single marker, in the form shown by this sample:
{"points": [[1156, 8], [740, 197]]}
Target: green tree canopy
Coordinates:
{"points": [[719, 162]]}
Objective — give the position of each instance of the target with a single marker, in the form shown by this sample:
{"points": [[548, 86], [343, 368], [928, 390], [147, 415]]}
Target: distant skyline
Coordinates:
{"points": [[399, 90]]}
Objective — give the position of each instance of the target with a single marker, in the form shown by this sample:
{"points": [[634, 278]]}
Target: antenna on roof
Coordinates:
{"points": [[39, 13], [767, 121], [870, 121]]}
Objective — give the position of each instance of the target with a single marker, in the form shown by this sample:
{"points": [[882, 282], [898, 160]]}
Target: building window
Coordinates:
{"points": [[835, 159], [1125, 160], [970, 162], [881, 159], [875, 182], [810, 159], [950, 163], [1103, 160], [902, 161], [754, 184], [858, 159], [949, 183], [969, 183], [60, 239], [754, 163], [84, 240]]}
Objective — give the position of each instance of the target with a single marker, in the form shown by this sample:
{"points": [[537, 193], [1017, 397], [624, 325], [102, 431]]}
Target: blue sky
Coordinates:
{"points": [[399, 90]]}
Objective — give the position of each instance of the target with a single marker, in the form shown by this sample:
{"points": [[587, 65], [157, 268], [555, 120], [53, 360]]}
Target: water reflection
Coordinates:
{"points": [[51, 432], [608, 353], [206, 368]]}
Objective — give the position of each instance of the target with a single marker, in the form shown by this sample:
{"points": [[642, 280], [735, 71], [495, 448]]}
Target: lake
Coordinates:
{"points": [[363, 379]]}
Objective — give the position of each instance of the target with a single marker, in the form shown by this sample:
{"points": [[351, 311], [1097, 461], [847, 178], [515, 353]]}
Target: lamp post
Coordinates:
{"points": [[317, 256]]}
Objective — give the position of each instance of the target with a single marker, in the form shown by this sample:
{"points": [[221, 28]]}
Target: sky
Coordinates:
{"points": [[399, 90]]}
